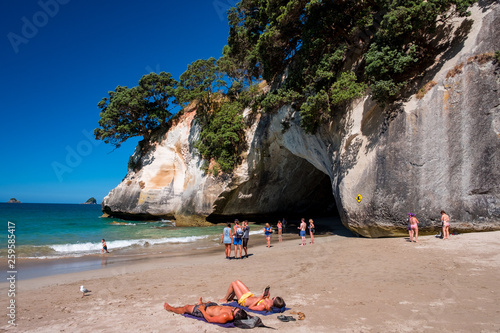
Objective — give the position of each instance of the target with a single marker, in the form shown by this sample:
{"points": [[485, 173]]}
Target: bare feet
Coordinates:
{"points": [[167, 307]]}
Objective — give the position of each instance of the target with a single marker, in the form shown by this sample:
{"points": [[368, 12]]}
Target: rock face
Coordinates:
{"points": [[437, 153], [13, 200]]}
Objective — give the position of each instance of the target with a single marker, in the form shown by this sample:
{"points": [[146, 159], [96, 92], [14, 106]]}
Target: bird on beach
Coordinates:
{"points": [[84, 290]]}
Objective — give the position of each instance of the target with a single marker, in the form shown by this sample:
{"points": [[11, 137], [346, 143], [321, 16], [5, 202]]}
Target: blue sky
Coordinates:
{"points": [[59, 58]]}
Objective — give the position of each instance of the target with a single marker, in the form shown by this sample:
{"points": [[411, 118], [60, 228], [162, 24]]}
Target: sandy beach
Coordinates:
{"points": [[341, 284]]}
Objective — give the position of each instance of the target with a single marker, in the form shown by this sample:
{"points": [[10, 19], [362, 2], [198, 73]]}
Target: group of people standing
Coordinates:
{"points": [[413, 226], [238, 236], [281, 226]]}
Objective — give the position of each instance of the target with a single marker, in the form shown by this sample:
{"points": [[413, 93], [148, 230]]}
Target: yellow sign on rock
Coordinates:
{"points": [[359, 198]]}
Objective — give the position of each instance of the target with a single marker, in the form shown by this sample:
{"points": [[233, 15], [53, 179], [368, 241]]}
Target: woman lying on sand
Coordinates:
{"points": [[247, 299]]}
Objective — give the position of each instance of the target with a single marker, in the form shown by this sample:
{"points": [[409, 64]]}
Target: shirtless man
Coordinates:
{"points": [[212, 312], [302, 228], [445, 220], [247, 299]]}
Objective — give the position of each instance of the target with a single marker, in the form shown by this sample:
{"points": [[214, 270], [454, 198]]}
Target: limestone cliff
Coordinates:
{"points": [[423, 155]]}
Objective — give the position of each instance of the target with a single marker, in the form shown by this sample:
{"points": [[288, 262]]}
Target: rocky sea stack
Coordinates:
{"points": [[91, 201]]}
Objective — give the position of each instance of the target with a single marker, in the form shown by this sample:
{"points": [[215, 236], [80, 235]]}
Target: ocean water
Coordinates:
{"points": [[48, 231]]}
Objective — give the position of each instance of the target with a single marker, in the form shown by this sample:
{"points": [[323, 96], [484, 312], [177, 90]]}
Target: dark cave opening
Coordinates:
{"points": [[297, 190]]}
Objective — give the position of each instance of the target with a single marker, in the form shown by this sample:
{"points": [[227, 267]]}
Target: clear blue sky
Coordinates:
{"points": [[59, 58]]}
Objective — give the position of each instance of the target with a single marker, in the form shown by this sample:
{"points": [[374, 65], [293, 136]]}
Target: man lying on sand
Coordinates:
{"points": [[212, 312], [256, 303]]}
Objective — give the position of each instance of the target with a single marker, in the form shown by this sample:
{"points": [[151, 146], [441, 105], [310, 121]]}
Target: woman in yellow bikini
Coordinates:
{"points": [[247, 299]]}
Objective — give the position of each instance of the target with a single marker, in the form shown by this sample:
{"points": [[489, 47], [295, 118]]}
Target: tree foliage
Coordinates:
{"points": [[222, 137], [201, 82], [332, 50], [317, 55], [130, 112]]}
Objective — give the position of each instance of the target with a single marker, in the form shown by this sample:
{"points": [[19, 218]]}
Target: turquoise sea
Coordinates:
{"points": [[50, 231]]}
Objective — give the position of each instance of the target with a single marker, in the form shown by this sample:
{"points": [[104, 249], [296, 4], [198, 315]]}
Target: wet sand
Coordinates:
{"points": [[341, 284]]}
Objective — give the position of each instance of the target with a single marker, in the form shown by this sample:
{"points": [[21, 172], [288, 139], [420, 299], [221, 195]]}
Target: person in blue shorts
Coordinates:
{"points": [[104, 246], [237, 235], [302, 228], [268, 231]]}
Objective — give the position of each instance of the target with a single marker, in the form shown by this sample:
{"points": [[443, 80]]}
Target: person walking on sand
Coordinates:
{"points": [[280, 232], [238, 234], [410, 230], [312, 230], [247, 299], [302, 228], [414, 227], [227, 239], [445, 220], [210, 311], [268, 231], [104, 246], [246, 236]]}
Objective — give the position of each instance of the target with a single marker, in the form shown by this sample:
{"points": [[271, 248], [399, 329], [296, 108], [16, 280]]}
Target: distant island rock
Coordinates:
{"points": [[13, 200], [91, 201]]}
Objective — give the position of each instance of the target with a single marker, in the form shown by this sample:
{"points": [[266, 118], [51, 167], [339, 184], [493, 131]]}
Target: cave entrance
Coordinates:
{"points": [[292, 189], [314, 199]]}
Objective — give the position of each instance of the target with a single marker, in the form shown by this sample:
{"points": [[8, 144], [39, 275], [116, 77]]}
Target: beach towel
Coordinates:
{"points": [[250, 322], [226, 325]]}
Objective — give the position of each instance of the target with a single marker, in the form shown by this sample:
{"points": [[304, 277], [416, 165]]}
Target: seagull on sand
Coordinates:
{"points": [[84, 290]]}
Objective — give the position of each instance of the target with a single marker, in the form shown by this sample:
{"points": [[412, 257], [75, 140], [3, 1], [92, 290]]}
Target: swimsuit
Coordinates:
{"points": [[413, 226], [446, 221], [302, 233], [268, 232], [227, 235], [197, 313], [258, 303], [243, 300]]}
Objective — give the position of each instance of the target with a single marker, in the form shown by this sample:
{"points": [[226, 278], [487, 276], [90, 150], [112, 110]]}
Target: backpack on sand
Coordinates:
{"points": [[250, 322]]}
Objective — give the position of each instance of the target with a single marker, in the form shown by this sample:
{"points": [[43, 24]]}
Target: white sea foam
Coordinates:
{"points": [[89, 247]]}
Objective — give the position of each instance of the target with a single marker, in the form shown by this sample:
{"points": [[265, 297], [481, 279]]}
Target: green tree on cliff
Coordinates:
{"points": [[201, 83], [222, 138], [212, 85], [137, 111], [331, 51]]}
